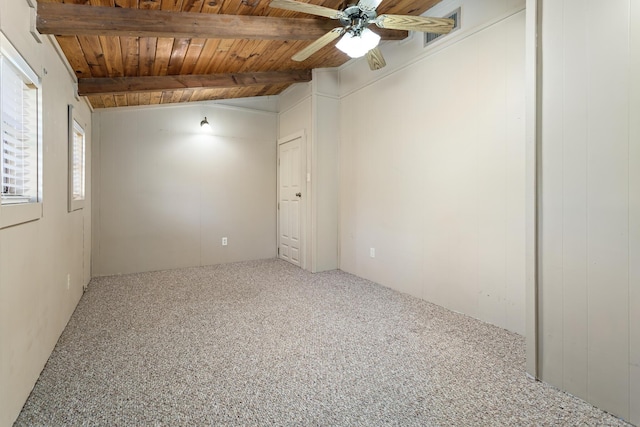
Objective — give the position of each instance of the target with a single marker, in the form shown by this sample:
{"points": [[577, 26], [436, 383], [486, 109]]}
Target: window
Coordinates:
{"points": [[20, 100], [76, 163]]}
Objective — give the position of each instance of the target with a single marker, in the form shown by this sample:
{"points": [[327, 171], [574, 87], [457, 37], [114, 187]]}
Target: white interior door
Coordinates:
{"points": [[290, 200]]}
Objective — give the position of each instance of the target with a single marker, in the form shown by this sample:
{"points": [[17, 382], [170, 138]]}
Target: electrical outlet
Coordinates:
{"points": [[372, 252], [224, 241], [68, 281]]}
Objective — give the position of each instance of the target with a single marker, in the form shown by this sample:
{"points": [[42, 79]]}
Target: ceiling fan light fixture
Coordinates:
{"points": [[357, 46]]}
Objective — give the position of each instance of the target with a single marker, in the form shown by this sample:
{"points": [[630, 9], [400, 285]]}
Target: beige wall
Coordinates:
{"points": [[433, 168], [590, 207], [37, 257], [169, 192]]}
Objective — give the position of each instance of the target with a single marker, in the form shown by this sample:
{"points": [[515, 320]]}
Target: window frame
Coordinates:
{"points": [[20, 213], [75, 128]]}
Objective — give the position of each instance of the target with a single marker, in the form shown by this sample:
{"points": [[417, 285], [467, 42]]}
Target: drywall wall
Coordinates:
{"points": [[433, 167], [325, 168], [590, 207], [313, 108], [44, 264], [294, 110], [170, 191]]}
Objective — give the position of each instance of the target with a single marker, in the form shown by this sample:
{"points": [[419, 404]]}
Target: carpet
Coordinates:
{"points": [[265, 343]]}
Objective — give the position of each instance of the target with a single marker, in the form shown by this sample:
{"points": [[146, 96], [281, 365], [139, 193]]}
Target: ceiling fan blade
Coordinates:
{"points": [[318, 44], [375, 59], [415, 23], [368, 5], [312, 9]]}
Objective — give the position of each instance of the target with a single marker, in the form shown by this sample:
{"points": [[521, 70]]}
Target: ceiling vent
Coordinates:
{"points": [[432, 37]]}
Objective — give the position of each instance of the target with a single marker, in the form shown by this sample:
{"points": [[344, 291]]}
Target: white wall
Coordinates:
{"points": [[313, 108], [325, 168], [433, 166], [294, 110], [37, 257], [169, 192], [590, 207]]}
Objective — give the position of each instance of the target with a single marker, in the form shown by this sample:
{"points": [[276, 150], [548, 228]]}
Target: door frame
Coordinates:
{"points": [[305, 201]]}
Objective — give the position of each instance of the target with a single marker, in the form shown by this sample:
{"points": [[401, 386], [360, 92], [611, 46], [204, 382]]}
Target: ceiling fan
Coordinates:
{"points": [[357, 39]]}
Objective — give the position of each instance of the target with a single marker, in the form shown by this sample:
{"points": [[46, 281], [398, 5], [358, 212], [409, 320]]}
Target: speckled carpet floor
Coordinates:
{"points": [[265, 343]]}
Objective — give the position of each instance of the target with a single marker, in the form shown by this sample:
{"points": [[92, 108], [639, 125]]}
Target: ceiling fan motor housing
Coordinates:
{"points": [[355, 19]]}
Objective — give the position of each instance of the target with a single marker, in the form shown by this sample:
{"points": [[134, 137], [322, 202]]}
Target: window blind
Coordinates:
{"points": [[18, 129], [78, 163]]}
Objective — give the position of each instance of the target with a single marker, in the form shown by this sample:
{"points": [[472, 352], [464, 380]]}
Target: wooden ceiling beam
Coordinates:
{"points": [[114, 85], [67, 19]]}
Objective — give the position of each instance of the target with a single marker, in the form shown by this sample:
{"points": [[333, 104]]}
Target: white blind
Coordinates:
{"points": [[18, 129], [78, 163]]}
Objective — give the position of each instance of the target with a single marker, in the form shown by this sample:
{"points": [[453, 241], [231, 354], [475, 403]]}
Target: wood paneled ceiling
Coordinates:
{"points": [[143, 52]]}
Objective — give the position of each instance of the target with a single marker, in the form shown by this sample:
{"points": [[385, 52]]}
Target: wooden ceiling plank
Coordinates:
{"points": [[265, 50], [217, 59], [130, 55], [108, 101], [108, 3], [133, 99], [156, 98], [121, 100], [192, 56], [214, 94], [112, 55], [277, 89], [210, 47], [164, 47], [192, 5], [248, 56], [171, 5], [73, 51], [212, 6], [92, 51], [200, 95], [234, 58], [149, 4], [284, 59], [147, 55], [96, 102], [230, 7], [196, 95], [250, 7], [70, 19], [277, 52], [127, 3], [166, 97], [178, 53], [260, 50], [191, 95], [186, 95], [224, 58], [144, 98], [107, 85], [259, 7]]}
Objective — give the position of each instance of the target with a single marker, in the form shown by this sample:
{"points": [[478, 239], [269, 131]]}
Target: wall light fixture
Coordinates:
{"points": [[205, 124]]}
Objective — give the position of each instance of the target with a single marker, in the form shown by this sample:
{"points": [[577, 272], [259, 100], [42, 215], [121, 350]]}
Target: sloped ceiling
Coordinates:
{"points": [[143, 52]]}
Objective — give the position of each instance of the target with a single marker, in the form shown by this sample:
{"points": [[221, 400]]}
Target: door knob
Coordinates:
{"points": [[298, 194]]}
